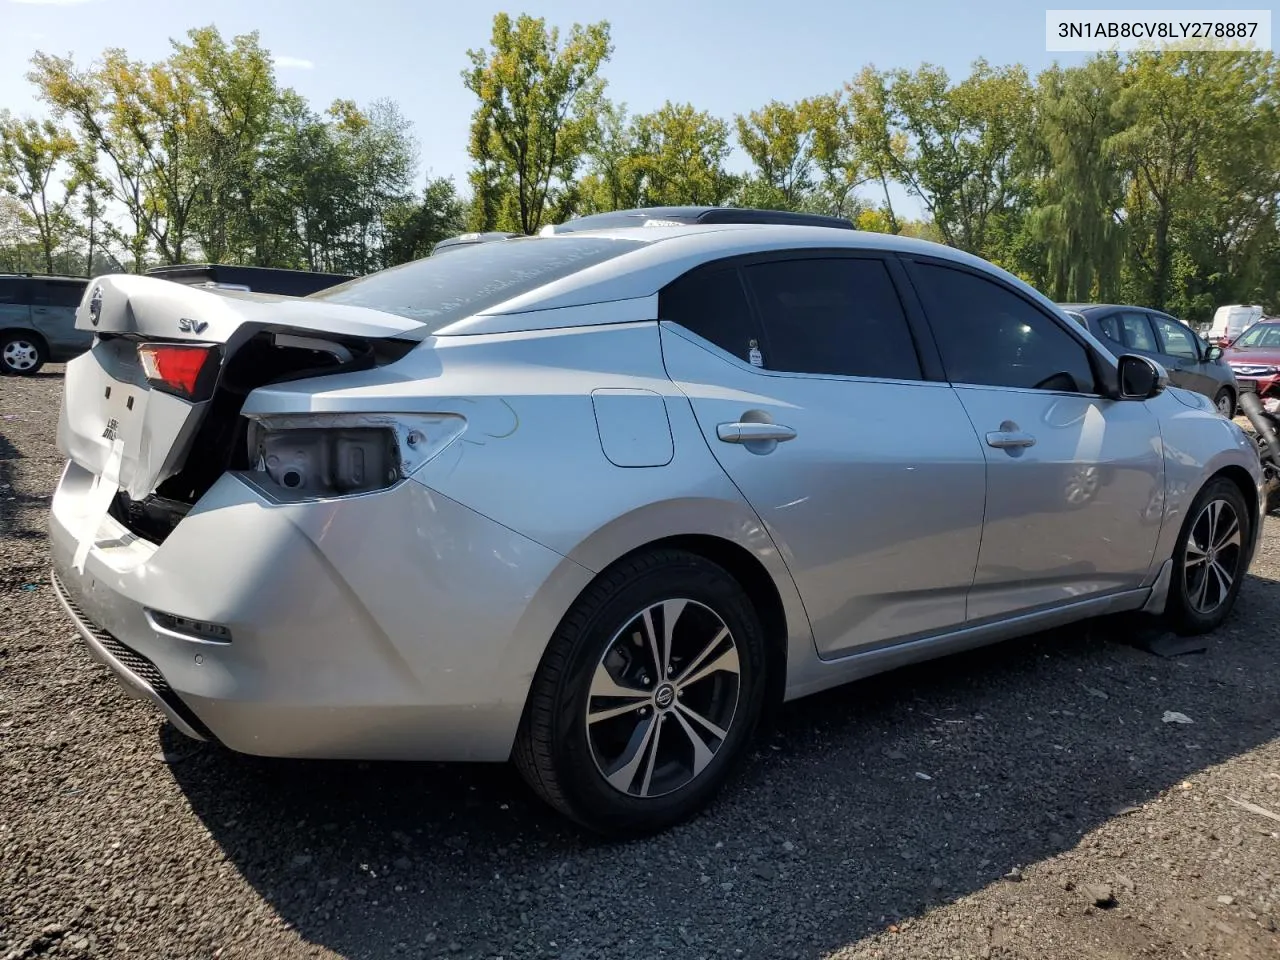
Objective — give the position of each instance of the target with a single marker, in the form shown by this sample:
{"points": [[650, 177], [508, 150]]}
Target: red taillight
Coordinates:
{"points": [[183, 369]]}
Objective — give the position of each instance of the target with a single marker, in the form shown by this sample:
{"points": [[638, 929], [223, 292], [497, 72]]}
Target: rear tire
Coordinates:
{"points": [[22, 354], [1225, 401], [1209, 563], [659, 743]]}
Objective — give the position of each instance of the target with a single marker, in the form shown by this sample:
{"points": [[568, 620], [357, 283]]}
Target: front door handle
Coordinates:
{"points": [[1010, 439], [754, 432]]}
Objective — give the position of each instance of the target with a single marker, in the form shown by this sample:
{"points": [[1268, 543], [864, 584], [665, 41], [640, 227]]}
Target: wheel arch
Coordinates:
{"points": [[1239, 476], [35, 335], [760, 588], [727, 533]]}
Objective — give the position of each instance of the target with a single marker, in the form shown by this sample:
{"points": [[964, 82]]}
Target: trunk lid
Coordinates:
{"points": [[114, 424]]}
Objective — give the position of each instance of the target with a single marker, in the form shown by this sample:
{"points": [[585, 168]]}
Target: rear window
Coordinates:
{"points": [[57, 293], [440, 290]]}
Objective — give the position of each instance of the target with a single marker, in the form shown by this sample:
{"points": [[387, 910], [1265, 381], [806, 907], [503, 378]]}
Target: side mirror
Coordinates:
{"points": [[1213, 353], [1141, 378]]}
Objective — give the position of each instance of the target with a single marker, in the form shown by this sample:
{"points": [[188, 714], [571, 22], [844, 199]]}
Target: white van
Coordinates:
{"points": [[1231, 321]]}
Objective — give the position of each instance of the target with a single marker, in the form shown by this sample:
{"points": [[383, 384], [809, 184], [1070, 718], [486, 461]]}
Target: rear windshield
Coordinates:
{"points": [[440, 290]]}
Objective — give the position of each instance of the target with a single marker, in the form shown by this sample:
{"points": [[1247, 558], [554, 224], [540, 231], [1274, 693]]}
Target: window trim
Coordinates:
{"points": [[921, 337], [1103, 373]]}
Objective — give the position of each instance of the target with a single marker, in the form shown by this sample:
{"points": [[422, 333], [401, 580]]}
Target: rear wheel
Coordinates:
{"points": [[1225, 402], [647, 696], [1210, 561], [21, 353]]}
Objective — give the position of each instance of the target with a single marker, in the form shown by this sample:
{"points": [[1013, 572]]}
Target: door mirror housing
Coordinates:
{"points": [[1213, 353], [1141, 378]]}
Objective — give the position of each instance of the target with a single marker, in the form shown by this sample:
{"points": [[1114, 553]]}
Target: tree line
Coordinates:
{"points": [[1148, 177]]}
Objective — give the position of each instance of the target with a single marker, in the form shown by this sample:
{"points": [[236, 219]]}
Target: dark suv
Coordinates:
{"points": [[38, 321], [1191, 361]]}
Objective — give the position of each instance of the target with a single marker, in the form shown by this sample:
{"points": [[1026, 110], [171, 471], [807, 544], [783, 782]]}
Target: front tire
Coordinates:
{"points": [[22, 354], [1225, 401], [1211, 559], [647, 696]]}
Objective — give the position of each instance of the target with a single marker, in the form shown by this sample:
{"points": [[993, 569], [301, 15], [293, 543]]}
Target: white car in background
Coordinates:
{"points": [[1231, 321]]}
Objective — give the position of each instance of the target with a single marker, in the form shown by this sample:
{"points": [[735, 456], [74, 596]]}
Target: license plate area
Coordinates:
{"points": [[124, 411]]}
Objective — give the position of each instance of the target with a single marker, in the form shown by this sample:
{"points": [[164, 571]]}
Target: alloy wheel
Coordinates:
{"points": [[20, 355], [1224, 405], [663, 698], [1214, 550]]}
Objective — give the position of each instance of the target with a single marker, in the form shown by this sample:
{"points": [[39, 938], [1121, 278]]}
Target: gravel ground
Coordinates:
{"points": [[1023, 801]]}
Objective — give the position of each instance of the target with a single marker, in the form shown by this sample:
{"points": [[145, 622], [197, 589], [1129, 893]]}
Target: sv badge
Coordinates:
{"points": [[187, 325]]}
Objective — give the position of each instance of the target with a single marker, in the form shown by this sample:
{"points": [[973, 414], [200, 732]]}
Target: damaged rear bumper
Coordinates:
{"points": [[400, 625]]}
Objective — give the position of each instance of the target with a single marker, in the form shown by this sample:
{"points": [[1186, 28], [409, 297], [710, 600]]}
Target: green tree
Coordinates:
{"points": [[32, 153], [958, 149], [236, 86], [679, 156], [1199, 149], [143, 120], [415, 226], [865, 129], [614, 176], [1077, 224], [779, 139], [535, 119]]}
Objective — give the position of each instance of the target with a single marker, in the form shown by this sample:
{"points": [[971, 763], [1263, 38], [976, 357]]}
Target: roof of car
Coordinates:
{"points": [[43, 276], [663, 253], [1088, 309], [690, 215], [1099, 307], [763, 235]]}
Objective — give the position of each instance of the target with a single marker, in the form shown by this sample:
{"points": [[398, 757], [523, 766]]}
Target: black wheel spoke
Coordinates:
{"points": [[1212, 556], [663, 698]]}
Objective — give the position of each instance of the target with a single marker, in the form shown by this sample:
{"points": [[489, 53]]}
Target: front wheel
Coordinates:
{"points": [[1211, 559], [21, 354], [1225, 402], [647, 696]]}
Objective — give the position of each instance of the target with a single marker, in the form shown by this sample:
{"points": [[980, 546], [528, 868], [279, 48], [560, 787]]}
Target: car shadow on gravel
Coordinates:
{"points": [[862, 806]]}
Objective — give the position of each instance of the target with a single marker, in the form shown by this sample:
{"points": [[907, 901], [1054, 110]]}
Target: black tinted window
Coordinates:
{"points": [[838, 316], [56, 293], [12, 291], [1110, 327], [439, 290], [713, 304], [990, 335]]}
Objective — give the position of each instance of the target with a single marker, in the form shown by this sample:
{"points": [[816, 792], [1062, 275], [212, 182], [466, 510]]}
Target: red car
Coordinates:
{"points": [[1255, 359]]}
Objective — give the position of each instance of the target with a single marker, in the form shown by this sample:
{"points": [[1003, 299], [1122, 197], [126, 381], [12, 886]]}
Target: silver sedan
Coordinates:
{"points": [[591, 500]]}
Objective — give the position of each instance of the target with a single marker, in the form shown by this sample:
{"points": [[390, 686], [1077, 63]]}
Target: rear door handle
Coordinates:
{"points": [[754, 432], [1010, 439]]}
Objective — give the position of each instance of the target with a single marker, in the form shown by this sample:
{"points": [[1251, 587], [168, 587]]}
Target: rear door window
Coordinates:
{"points": [[712, 303], [1137, 332], [839, 316]]}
